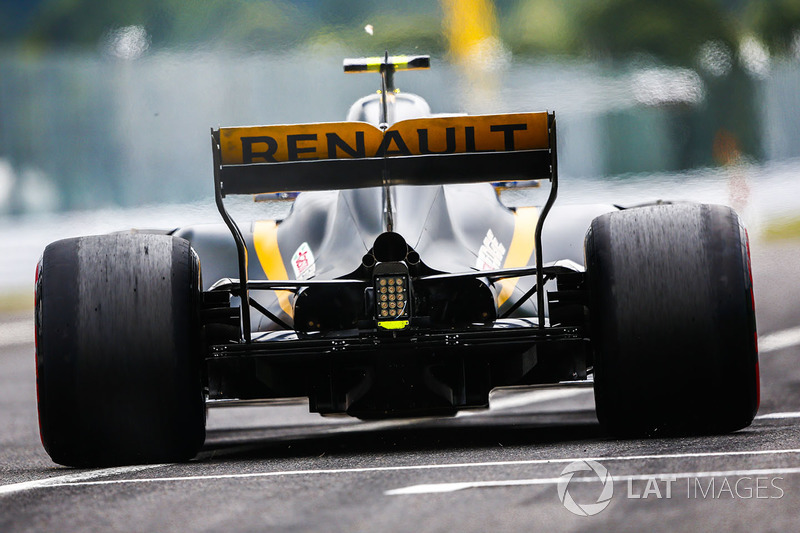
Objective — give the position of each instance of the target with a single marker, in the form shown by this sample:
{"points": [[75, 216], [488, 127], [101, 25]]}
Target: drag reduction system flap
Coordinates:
{"points": [[346, 155]]}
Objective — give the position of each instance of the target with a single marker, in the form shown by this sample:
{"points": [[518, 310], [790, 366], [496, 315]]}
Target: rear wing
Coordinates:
{"points": [[346, 155]]}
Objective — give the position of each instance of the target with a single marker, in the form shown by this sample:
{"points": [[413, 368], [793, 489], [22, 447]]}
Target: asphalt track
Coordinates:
{"points": [[281, 469]]}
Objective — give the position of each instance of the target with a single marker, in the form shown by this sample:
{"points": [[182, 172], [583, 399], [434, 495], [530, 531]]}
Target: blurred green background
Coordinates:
{"points": [[109, 103]]}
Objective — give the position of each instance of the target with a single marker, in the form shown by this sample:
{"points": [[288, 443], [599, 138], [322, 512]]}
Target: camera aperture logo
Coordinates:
{"points": [[585, 509]]}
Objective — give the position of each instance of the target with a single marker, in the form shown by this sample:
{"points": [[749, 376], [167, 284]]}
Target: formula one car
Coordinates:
{"points": [[398, 286]]}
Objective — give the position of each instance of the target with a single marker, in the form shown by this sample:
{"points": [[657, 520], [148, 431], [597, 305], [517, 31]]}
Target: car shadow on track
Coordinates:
{"points": [[417, 435]]}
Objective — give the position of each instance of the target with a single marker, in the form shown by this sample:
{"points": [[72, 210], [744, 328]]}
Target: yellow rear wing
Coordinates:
{"points": [[346, 155]]}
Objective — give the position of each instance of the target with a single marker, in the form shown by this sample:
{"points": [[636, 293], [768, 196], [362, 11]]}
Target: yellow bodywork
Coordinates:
{"points": [[520, 251], [265, 238]]}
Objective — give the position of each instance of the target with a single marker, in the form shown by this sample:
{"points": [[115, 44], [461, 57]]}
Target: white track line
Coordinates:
{"points": [[55, 482], [779, 340], [21, 332], [438, 488], [58, 481], [535, 396], [15, 333], [773, 416], [528, 397]]}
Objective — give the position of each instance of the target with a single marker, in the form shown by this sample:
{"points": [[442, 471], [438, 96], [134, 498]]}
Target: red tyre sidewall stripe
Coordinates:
{"points": [[37, 309], [753, 307]]}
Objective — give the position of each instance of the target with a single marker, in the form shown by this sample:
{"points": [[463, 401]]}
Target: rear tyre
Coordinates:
{"points": [[672, 320], [117, 359]]}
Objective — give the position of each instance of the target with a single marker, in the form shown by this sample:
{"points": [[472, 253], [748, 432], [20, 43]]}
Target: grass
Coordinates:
{"points": [[778, 229], [782, 228], [16, 301]]}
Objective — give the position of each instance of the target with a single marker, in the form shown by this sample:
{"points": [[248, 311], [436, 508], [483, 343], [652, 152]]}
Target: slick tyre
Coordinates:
{"points": [[117, 358], [672, 320]]}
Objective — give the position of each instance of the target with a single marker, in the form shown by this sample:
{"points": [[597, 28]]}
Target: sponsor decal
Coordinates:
{"points": [[303, 262], [491, 253], [341, 140]]}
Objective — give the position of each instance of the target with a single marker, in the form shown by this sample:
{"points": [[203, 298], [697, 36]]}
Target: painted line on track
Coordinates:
{"points": [[439, 488], [59, 481], [525, 398], [21, 332], [16, 333], [779, 340], [88, 481], [520, 399], [778, 416]]}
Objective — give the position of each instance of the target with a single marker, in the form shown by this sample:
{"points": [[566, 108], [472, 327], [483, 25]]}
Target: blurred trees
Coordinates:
{"points": [[672, 31], [728, 46], [240, 24], [669, 31], [84, 23], [777, 23]]}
